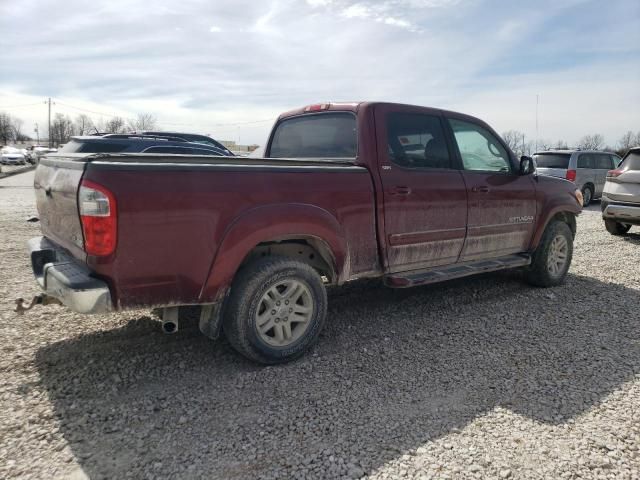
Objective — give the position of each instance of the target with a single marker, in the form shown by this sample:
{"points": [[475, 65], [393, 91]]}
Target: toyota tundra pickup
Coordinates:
{"points": [[410, 194]]}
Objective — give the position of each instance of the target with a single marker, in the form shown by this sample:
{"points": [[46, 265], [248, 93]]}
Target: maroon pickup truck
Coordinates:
{"points": [[411, 194]]}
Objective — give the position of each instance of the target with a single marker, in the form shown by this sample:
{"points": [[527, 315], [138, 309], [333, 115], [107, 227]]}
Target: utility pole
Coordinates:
{"points": [[537, 101], [49, 131], [37, 134]]}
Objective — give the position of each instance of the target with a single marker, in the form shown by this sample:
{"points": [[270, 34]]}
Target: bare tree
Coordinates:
{"points": [[16, 127], [115, 125], [513, 139], [561, 145], [84, 125], [61, 129], [6, 129], [144, 121], [591, 142]]}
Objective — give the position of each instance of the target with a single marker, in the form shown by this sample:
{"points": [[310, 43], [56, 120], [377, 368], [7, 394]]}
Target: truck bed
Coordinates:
{"points": [[175, 212]]}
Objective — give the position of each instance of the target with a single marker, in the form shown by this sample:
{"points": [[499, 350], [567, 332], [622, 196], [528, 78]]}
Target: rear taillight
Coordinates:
{"points": [[97, 207], [571, 175], [614, 173]]}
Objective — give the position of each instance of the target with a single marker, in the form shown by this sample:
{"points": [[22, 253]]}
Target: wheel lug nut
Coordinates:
{"points": [[286, 319], [278, 302], [286, 302], [277, 320], [273, 312], [290, 310]]}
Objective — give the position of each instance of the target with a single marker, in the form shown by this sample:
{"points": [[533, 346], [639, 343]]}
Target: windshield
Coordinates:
{"points": [[552, 160], [325, 135]]}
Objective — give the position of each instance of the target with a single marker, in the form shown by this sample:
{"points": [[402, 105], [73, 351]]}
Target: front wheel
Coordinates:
{"points": [[552, 258], [276, 310], [616, 228]]}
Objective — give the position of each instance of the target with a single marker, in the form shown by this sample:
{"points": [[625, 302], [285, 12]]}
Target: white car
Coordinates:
{"points": [[11, 156], [621, 196]]}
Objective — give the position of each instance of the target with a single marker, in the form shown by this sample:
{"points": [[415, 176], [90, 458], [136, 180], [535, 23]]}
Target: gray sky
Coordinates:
{"points": [[209, 66]]}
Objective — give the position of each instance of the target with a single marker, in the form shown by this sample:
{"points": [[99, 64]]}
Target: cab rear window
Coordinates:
{"points": [[324, 135], [552, 160]]}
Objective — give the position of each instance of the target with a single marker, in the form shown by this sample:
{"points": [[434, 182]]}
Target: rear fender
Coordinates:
{"points": [[273, 223]]}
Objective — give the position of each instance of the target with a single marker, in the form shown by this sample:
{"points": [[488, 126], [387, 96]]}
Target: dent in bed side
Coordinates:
{"points": [[272, 223]]}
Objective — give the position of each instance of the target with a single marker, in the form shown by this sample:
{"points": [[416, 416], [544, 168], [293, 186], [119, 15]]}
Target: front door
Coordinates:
{"points": [[424, 196], [502, 203]]}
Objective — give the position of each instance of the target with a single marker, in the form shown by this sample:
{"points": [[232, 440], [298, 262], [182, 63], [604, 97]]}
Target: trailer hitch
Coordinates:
{"points": [[42, 299]]}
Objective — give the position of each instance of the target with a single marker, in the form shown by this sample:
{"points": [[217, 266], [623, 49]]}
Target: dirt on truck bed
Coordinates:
{"points": [[484, 377]]}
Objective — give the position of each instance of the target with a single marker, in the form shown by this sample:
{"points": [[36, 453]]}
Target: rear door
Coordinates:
{"points": [[586, 173], [424, 196], [604, 163], [502, 203]]}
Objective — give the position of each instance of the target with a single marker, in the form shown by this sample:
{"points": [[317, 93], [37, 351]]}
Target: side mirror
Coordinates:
{"points": [[527, 165]]}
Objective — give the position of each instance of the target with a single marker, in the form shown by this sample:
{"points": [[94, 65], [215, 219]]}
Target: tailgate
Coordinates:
{"points": [[56, 183]]}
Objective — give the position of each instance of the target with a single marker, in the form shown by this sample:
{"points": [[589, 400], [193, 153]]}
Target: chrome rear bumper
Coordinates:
{"points": [[65, 278]]}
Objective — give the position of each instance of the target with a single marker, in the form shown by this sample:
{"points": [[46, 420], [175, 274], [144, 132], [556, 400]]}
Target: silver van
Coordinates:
{"points": [[586, 168]]}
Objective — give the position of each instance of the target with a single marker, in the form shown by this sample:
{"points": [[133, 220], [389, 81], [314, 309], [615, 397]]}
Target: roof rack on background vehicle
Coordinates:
{"points": [[145, 137]]}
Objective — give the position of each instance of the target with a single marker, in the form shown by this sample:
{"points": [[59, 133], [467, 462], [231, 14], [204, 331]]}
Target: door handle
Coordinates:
{"points": [[481, 189], [401, 191]]}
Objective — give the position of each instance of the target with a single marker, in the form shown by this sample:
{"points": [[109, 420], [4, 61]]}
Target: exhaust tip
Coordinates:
{"points": [[169, 327]]}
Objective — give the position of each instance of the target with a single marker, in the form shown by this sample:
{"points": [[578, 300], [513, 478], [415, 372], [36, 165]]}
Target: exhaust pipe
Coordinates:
{"points": [[170, 320]]}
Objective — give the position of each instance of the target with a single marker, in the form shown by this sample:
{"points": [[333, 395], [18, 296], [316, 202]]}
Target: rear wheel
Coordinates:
{"points": [[276, 310], [552, 259], [616, 228], [587, 195]]}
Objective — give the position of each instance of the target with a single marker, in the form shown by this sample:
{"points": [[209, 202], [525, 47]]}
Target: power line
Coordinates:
{"points": [[86, 110], [20, 106]]}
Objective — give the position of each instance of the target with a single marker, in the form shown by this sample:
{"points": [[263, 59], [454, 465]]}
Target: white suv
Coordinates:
{"points": [[621, 195]]}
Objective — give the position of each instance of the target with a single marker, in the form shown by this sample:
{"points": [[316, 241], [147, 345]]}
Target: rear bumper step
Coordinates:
{"points": [[67, 279], [413, 278]]}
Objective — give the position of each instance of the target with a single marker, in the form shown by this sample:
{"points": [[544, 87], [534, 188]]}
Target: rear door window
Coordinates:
{"points": [[603, 162], [417, 141], [586, 160], [324, 135]]}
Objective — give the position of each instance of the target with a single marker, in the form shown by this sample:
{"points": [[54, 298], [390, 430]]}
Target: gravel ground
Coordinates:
{"points": [[478, 378]]}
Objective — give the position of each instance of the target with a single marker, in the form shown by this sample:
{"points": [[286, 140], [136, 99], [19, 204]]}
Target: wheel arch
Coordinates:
{"points": [[558, 214], [294, 230]]}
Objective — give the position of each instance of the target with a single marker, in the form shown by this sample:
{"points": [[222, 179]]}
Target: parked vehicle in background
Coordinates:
{"points": [[35, 152], [139, 143], [621, 196], [586, 168], [11, 156], [412, 195], [190, 137]]}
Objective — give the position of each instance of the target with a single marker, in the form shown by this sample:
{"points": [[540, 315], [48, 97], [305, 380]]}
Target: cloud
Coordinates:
{"points": [[266, 57]]}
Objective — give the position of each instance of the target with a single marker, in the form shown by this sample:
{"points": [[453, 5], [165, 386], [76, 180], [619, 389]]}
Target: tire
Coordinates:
{"points": [[540, 273], [259, 290], [587, 195], [616, 228]]}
